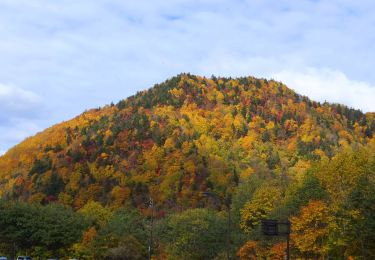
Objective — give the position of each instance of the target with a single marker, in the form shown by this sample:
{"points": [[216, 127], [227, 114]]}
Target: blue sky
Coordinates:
{"points": [[58, 58]]}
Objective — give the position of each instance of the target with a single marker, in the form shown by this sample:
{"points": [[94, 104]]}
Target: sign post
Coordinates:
{"points": [[272, 227]]}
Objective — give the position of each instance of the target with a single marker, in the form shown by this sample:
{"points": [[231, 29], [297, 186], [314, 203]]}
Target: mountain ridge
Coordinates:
{"points": [[119, 153]]}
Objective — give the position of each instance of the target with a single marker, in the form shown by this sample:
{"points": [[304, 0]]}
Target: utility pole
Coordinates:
{"points": [[227, 203], [228, 235], [287, 247], [150, 241]]}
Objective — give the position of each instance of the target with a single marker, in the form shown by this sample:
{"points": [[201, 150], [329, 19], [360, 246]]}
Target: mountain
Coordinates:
{"points": [[184, 136]]}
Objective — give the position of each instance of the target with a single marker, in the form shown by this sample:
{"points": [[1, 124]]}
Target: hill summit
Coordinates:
{"points": [[182, 137]]}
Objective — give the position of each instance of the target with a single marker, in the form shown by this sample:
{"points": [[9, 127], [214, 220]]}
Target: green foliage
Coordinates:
{"points": [[244, 193], [96, 214], [125, 222], [123, 232], [49, 228], [195, 234], [41, 166], [361, 207], [129, 249], [300, 194]]}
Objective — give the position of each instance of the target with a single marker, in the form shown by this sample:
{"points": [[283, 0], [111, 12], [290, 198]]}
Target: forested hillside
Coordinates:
{"points": [[260, 149]]}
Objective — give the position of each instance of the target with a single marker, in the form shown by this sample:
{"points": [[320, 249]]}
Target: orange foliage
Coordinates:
{"points": [[251, 251], [89, 235], [278, 251]]}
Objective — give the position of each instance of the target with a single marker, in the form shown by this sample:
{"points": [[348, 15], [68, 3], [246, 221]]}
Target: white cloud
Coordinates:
{"points": [[13, 98], [330, 85], [20, 112], [17, 129], [18, 104]]}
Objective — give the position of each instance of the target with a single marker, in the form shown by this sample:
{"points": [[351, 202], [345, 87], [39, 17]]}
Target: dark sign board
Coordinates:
{"points": [[270, 227]]}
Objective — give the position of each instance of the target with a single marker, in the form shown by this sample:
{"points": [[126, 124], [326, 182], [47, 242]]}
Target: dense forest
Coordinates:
{"points": [[169, 165]]}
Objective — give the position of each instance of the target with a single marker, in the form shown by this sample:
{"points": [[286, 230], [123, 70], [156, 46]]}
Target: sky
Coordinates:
{"points": [[59, 58]]}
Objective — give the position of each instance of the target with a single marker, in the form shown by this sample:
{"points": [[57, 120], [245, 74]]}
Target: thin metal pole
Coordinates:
{"points": [[287, 248], [228, 235], [14, 250], [151, 205]]}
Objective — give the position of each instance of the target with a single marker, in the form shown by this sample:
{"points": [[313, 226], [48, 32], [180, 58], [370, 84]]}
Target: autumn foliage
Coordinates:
{"points": [[262, 149]]}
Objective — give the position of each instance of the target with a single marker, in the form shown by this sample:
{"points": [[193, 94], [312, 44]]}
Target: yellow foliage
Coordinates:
{"points": [[190, 166], [219, 97], [270, 125], [196, 117], [65, 199], [186, 146], [310, 229], [320, 153], [247, 142], [345, 135], [37, 198], [298, 171], [169, 143], [101, 173], [177, 92], [244, 175], [239, 122], [291, 125], [144, 178], [97, 212], [292, 145], [108, 133], [206, 145], [120, 195], [259, 207], [256, 123]]}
